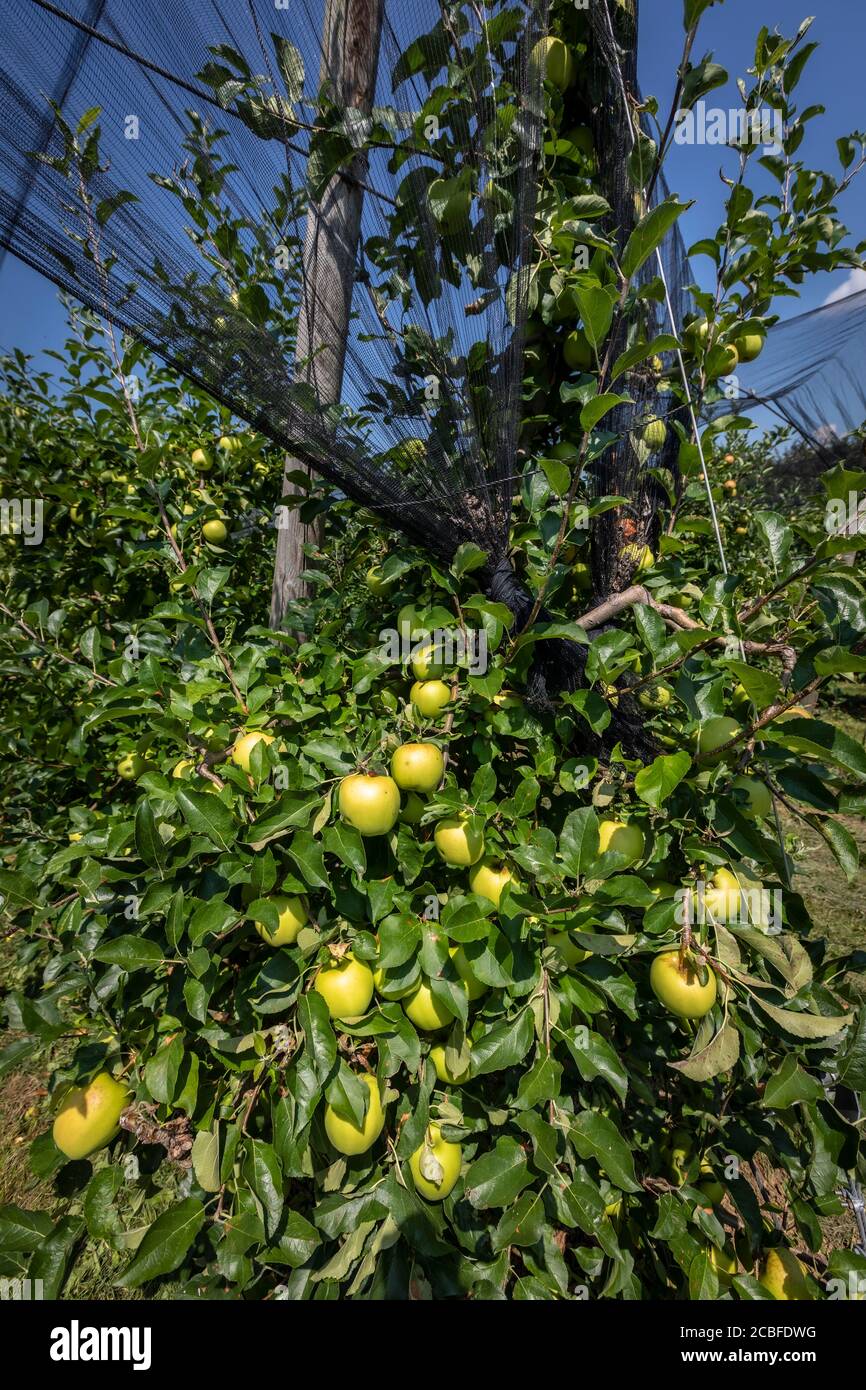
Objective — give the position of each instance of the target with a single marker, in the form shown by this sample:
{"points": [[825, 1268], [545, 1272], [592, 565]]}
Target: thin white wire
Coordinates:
{"points": [[692, 414]]}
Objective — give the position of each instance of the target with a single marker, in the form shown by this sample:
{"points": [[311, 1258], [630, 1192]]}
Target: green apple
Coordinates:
{"points": [[551, 59], [458, 843], [88, 1117], [214, 531], [567, 947], [622, 837], [426, 1012], [655, 697], [750, 339], [722, 901], [435, 1165], [352, 1139], [346, 985], [437, 1057], [677, 984], [475, 988], [581, 577], [715, 733], [427, 663], [369, 802], [292, 916], [758, 794], [784, 1276], [413, 810], [451, 200], [678, 1153], [430, 697], [418, 767], [488, 880], [654, 434], [640, 556], [375, 583], [201, 459], [243, 747], [130, 767]]}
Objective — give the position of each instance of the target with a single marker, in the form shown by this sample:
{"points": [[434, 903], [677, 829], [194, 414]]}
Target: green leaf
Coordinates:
{"points": [[598, 407], [166, 1243], [595, 1136], [291, 66], [346, 842], [790, 1085], [815, 739], [261, 1170], [503, 1045], [852, 1067], [717, 1057], [665, 342], [348, 1095], [762, 687], [100, 1213], [654, 784], [523, 1225], [578, 843], [498, 1177], [808, 1026], [692, 11], [49, 1262], [148, 842], [21, 1229], [649, 233], [206, 1158], [596, 1059], [841, 842], [595, 305], [206, 815], [399, 939], [315, 1019], [162, 1070], [468, 557], [129, 952], [309, 858], [777, 534]]}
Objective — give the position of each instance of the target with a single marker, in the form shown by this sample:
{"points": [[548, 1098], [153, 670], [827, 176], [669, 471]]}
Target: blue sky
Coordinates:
{"points": [[33, 320], [834, 78]]}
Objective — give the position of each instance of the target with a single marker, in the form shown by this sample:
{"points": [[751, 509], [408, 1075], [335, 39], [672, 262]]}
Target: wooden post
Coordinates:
{"points": [[350, 58]]}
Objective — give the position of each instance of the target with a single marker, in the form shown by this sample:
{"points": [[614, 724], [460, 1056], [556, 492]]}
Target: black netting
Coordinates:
{"points": [[427, 422], [810, 375], [423, 423]]}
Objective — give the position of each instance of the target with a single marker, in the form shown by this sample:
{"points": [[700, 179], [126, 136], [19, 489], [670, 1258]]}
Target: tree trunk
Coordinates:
{"points": [[350, 58]]}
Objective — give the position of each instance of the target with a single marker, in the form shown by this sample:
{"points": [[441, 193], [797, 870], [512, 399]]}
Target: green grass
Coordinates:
{"points": [[837, 907]]}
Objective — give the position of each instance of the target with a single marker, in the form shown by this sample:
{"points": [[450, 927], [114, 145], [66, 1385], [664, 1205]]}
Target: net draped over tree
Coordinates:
{"points": [[427, 429]]}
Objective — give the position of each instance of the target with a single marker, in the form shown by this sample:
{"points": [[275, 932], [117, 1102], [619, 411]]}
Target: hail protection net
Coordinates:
{"points": [[190, 142], [810, 376], [627, 467], [231, 183]]}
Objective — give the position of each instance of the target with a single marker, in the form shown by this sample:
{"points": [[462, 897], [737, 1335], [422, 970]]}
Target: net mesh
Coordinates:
{"points": [[810, 375], [170, 190]]}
